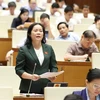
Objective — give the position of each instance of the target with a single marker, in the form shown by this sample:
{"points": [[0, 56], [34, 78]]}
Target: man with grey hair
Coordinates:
{"points": [[83, 49]]}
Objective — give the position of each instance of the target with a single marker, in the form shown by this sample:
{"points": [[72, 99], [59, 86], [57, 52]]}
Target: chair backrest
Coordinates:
{"points": [[48, 5], [58, 93], [95, 60], [8, 20], [17, 36], [6, 93], [37, 15], [60, 47], [9, 79], [87, 21], [81, 27], [3, 29], [76, 14]]}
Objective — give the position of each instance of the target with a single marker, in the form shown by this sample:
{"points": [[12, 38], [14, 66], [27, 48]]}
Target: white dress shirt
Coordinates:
{"points": [[95, 30]]}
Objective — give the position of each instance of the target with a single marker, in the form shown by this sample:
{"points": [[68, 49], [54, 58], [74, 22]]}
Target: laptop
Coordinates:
{"points": [[57, 84]]}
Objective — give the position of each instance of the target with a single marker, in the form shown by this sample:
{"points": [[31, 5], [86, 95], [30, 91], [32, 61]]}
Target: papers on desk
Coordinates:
{"points": [[51, 74]]}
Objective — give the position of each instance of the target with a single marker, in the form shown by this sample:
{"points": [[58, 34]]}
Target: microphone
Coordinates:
{"points": [[28, 95]]}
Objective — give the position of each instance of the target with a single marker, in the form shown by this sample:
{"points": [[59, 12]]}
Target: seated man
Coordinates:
{"points": [[73, 97], [65, 34], [11, 10], [54, 10], [45, 21], [96, 26], [83, 49], [85, 14], [31, 7], [68, 18]]}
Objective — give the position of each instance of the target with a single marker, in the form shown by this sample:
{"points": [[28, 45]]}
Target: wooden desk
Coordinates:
{"points": [[27, 98], [5, 46], [75, 72], [31, 19]]}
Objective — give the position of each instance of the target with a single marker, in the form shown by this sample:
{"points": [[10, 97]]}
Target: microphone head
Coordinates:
{"points": [[27, 95]]}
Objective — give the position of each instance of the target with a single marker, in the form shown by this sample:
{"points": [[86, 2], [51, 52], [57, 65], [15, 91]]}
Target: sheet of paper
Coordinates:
{"points": [[51, 74]]}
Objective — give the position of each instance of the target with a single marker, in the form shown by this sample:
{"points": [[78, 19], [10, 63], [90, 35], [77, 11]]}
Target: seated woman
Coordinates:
{"points": [[92, 90], [23, 17]]}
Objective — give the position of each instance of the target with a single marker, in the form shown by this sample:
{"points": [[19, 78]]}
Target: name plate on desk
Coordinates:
{"points": [[31, 95]]}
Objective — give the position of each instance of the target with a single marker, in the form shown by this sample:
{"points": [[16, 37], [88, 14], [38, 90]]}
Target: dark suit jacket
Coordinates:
{"points": [[25, 63], [17, 21], [82, 94]]}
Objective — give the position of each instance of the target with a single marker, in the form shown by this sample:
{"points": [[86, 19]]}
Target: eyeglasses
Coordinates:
{"points": [[96, 86]]}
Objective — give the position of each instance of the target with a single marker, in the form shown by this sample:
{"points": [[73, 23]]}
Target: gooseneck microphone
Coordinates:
{"points": [[28, 95]]}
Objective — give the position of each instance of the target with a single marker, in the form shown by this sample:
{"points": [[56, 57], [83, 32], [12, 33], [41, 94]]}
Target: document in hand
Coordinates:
{"points": [[51, 74]]}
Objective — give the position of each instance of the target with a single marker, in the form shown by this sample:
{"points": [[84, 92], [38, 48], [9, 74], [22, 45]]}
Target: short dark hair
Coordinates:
{"points": [[93, 74], [73, 97], [55, 5], [23, 10], [44, 15], [60, 0], [68, 9], [97, 17], [29, 40], [86, 6], [30, 0], [12, 4], [62, 23], [89, 34]]}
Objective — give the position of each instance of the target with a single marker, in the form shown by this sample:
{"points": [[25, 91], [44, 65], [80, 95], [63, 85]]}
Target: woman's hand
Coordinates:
{"points": [[35, 77], [20, 27]]}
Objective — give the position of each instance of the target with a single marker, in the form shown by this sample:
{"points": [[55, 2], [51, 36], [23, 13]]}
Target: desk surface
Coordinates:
{"points": [[28, 98]]}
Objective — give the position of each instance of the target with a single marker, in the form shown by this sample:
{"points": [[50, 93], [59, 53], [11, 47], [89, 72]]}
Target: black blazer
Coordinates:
{"points": [[25, 63], [17, 21]]}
